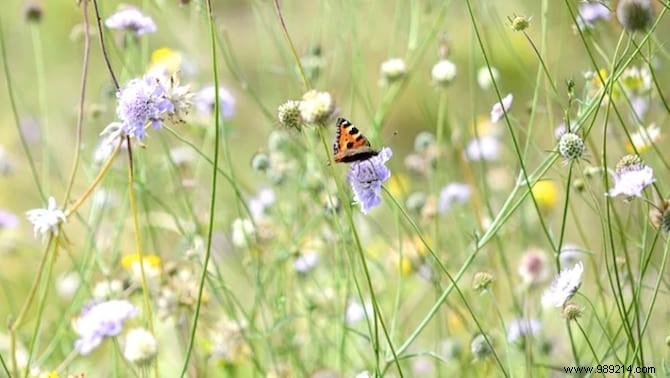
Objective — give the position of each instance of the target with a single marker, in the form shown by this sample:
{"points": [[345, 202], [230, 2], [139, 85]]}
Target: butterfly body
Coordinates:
{"points": [[350, 144]]}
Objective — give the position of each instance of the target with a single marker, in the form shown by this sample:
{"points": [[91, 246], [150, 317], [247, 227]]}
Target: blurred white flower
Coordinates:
{"points": [[141, 346], [444, 72], [316, 107], [484, 78], [523, 327], [499, 108], [484, 148], [565, 285], [257, 205], [46, 221], [453, 194], [67, 285], [356, 312], [393, 69], [107, 289], [306, 261], [243, 232]]}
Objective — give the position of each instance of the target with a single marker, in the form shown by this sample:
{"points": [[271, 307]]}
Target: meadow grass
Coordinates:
{"points": [[508, 217]]}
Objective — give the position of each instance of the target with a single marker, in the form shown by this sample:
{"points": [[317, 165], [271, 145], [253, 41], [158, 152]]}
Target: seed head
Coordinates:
{"points": [[571, 146], [635, 15]]}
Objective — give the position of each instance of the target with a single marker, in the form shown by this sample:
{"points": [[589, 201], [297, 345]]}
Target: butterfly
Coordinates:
{"points": [[350, 144]]}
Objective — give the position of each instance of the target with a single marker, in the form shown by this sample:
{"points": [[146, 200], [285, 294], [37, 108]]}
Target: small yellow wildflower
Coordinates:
{"points": [[128, 261], [165, 61], [546, 194], [399, 185]]}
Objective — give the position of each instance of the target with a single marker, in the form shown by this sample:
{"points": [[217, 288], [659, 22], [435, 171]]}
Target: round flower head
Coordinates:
{"points": [[443, 72], [546, 194], [571, 146], [366, 178], [141, 346], [635, 15], [46, 221], [100, 320], [316, 107], [142, 101], [289, 114], [500, 108], [572, 311], [205, 100], [519, 23], [131, 19], [393, 69], [533, 267], [660, 216], [565, 285], [631, 177], [482, 281], [480, 346]]}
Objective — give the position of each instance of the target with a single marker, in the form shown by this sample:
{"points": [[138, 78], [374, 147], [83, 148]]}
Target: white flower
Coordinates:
{"points": [[305, 262], [523, 327], [484, 148], [67, 285], [243, 232], [393, 69], [107, 289], [564, 286], [499, 109], [484, 78], [443, 72], [257, 205], [46, 221], [141, 346], [316, 107], [630, 180], [452, 194], [356, 312], [644, 138]]}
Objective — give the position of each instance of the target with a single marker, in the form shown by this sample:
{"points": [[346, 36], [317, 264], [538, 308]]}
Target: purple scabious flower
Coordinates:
{"points": [[523, 327], [131, 19], [8, 220], [589, 13], [366, 178], [205, 98], [451, 195], [100, 320], [142, 101]]}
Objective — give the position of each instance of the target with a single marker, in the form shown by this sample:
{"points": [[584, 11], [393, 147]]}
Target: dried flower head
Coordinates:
{"points": [[571, 311], [444, 72], [635, 15], [571, 146], [660, 216], [289, 114], [482, 281], [316, 107]]}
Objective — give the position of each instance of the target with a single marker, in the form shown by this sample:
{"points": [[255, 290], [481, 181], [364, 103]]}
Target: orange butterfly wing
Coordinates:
{"points": [[350, 144]]}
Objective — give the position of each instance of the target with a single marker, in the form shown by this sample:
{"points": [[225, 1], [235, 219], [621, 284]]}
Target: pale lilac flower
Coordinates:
{"points": [[499, 109], [631, 179], [305, 262], [453, 194], [46, 221], [258, 204], [206, 97], [100, 320], [589, 13], [523, 327], [131, 19], [142, 101], [484, 148], [366, 178], [8, 220], [639, 105], [533, 267], [565, 285]]}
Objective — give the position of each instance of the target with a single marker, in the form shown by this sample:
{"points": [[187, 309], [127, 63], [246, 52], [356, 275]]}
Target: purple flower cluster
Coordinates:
{"points": [[142, 101], [366, 178], [131, 19], [100, 320]]}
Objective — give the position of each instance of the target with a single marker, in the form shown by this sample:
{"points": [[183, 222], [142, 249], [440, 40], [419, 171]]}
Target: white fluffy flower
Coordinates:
{"points": [[499, 109], [243, 232], [316, 107], [356, 312], [444, 72], [393, 69], [565, 285], [484, 79], [523, 327], [46, 221], [141, 346], [484, 148]]}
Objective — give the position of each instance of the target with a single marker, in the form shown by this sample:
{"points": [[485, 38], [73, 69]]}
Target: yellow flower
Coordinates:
{"points": [[546, 194], [643, 139], [405, 266], [128, 261], [165, 61], [483, 127], [398, 185]]}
